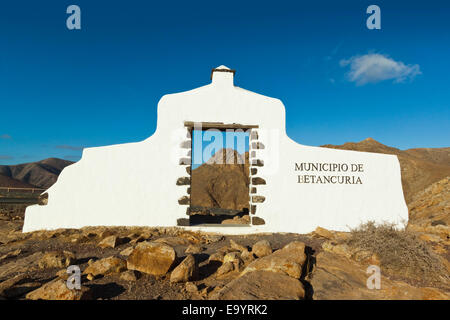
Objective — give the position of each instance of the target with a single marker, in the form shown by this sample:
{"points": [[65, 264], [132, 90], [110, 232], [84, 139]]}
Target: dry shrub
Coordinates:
{"points": [[400, 251]]}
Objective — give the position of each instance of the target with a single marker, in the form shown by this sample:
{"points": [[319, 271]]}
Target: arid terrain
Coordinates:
{"points": [[171, 263]]}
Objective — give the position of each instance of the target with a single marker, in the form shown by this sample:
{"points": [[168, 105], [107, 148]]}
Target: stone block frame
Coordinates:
{"points": [[254, 163]]}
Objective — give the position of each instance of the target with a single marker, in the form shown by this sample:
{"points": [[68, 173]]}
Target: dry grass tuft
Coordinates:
{"points": [[400, 251]]}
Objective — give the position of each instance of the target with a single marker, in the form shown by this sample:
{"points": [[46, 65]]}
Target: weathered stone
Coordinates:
{"points": [[185, 161], [186, 144], [257, 145], [19, 290], [140, 238], [183, 181], [183, 222], [7, 284], [337, 277], [56, 259], [193, 249], [126, 252], [57, 290], [11, 254], [262, 248], [187, 270], [253, 171], [366, 257], [247, 256], [237, 246], [191, 287], [257, 163], [129, 275], [43, 199], [103, 232], [212, 238], [106, 266], [261, 285], [79, 238], [438, 222], [152, 258], [217, 256], [430, 237], [232, 257], [258, 181], [227, 249], [173, 241], [338, 248], [112, 242], [63, 274], [235, 259], [288, 260], [341, 236], [205, 291], [252, 209], [258, 199], [324, 233], [108, 242], [257, 221], [245, 219], [19, 265], [254, 135], [184, 200], [441, 230], [225, 268], [253, 190]]}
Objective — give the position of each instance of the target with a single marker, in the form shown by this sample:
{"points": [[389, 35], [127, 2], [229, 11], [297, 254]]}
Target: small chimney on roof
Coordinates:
{"points": [[222, 76]]}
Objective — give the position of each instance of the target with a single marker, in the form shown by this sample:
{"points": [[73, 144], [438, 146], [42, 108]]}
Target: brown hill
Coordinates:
{"points": [[6, 181], [42, 174], [218, 184], [420, 167]]}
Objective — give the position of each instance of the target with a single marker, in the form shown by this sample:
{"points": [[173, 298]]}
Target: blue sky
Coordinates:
{"points": [[62, 90], [205, 143]]}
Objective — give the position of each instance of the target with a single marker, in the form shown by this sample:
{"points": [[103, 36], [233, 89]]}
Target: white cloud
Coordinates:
{"points": [[374, 67]]}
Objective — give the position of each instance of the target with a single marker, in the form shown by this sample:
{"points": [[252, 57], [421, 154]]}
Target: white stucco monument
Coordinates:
{"points": [[295, 188]]}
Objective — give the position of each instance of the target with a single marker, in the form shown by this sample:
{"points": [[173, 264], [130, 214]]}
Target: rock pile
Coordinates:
{"points": [[176, 264]]}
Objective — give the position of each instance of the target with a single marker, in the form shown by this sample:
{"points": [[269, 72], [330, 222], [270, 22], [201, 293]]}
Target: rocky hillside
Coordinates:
{"points": [[168, 263], [41, 174], [431, 207], [420, 167], [222, 182], [6, 181]]}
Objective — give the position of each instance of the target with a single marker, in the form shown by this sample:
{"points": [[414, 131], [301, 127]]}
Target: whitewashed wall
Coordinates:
{"points": [[134, 184]]}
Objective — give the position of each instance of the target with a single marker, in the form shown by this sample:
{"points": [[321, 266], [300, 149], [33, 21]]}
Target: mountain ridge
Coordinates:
{"points": [[42, 174]]}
